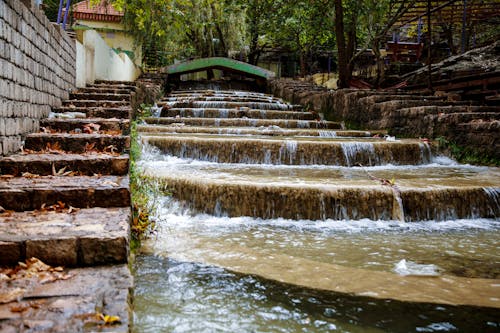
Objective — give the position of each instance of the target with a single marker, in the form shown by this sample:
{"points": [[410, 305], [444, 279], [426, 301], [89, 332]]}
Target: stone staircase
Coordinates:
{"points": [[470, 124], [65, 200]]}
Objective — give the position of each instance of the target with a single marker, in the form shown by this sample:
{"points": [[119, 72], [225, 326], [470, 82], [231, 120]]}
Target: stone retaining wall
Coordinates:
{"points": [[37, 70], [405, 114]]}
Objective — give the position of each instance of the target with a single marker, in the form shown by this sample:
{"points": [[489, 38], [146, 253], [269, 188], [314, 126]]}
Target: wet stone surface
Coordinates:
{"points": [[48, 164], [78, 143], [21, 193], [84, 237], [76, 304]]}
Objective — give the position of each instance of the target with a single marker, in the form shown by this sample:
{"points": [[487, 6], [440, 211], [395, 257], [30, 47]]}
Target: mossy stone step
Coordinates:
{"points": [[83, 237], [67, 125], [23, 193], [104, 90], [95, 103], [71, 305], [99, 96], [47, 164], [230, 113], [122, 112], [78, 143], [237, 122]]}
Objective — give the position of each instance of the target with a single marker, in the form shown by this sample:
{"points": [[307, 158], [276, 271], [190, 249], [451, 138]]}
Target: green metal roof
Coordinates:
{"points": [[227, 64]]}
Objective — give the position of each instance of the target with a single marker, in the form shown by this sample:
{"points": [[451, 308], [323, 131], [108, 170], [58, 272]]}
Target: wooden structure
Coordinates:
{"points": [[225, 64]]}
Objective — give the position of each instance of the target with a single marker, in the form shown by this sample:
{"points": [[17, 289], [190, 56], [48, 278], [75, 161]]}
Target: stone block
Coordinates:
{"points": [[57, 252], [10, 252], [2, 127], [102, 250]]}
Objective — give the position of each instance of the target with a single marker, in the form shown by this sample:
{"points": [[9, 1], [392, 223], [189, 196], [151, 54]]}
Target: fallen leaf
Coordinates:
{"points": [[111, 149], [109, 182], [54, 148], [30, 175], [90, 147], [108, 320], [19, 308], [12, 295], [91, 128], [6, 212]]}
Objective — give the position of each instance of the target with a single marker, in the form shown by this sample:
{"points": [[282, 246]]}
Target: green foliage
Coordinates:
{"points": [[465, 154], [145, 190], [51, 8]]}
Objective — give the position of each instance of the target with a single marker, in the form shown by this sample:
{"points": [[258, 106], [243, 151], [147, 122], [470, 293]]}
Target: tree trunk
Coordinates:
{"points": [[302, 64], [378, 61], [342, 54]]}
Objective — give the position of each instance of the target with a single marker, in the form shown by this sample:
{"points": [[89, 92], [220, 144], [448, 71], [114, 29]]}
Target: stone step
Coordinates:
{"points": [[71, 305], [94, 103], [400, 104], [67, 125], [236, 122], [114, 82], [400, 97], [209, 92], [99, 96], [78, 143], [263, 130], [221, 98], [24, 194], [232, 113], [129, 86], [103, 90], [292, 151], [85, 237], [415, 122], [321, 192], [435, 110], [46, 164], [234, 105], [123, 112]]}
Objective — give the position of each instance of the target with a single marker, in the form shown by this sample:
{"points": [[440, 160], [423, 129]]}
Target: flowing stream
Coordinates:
{"points": [[280, 223]]}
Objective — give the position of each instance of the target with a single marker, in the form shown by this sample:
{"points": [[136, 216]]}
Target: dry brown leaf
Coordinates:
{"points": [[107, 319], [91, 128], [12, 295], [26, 306], [90, 147], [111, 149], [109, 182], [32, 268], [53, 148], [30, 175]]}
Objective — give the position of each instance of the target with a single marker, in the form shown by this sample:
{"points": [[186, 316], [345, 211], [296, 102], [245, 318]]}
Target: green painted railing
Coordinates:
{"points": [[231, 65]]}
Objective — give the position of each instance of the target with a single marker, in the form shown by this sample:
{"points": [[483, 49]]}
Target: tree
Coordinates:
{"points": [[303, 27], [259, 17], [341, 46], [369, 19]]}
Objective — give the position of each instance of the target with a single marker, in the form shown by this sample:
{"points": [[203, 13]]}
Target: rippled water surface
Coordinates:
{"points": [[179, 289], [173, 296]]}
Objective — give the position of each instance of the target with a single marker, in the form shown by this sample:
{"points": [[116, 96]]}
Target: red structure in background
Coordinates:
{"points": [[103, 12], [404, 51]]}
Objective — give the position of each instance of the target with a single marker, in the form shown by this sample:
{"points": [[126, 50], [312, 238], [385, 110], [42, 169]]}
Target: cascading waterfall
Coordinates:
{"points": [[288, 151], [493, 195], [354, 246], [352, 151], [328, 134], [302, 124]]}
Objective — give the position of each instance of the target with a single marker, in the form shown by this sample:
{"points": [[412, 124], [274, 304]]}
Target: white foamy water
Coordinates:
{"points": [[173, 213], [353, 149]]}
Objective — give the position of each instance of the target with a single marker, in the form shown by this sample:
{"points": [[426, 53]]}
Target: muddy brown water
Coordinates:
{"points": [[277, 242]]}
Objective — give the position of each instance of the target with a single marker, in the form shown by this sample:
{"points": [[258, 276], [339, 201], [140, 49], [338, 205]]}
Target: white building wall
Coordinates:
{"points": [[102, 62]]}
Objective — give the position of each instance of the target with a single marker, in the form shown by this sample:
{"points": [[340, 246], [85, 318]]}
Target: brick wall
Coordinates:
{"points": [[37, 70]]}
